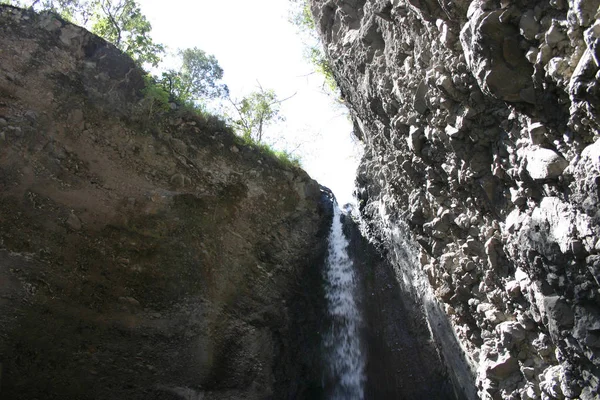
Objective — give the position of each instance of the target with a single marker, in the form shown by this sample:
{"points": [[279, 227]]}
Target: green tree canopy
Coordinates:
{"points": [[122, 23], [256, 111], [198, 77]]}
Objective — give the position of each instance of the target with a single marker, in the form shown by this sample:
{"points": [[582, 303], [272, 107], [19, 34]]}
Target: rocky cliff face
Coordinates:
{"points": [[481, 178], [143, 256]]}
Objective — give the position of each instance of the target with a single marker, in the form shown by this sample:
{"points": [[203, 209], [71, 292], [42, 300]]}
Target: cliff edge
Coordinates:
{"points": [[143, 256]]}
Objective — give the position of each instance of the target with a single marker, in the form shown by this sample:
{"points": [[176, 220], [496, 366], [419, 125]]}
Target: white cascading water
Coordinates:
{"points": [[345, 360]]}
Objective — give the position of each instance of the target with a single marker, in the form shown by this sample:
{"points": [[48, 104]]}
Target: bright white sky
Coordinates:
{"points": [[254, 41]]}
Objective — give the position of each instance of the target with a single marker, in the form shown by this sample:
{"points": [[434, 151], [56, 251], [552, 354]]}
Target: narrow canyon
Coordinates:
{"points": [[155, 255]]}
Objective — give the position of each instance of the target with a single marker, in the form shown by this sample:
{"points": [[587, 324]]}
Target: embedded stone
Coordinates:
{"points": [[559, 313], [503, 367], [416, 139], [74, 222], [593, 263], [536, 132], [528, 26], [545, 164], [591, 154], [582, 12], [587, 326], [419, 101], [511, 333], [550, 382], [554, 35], [493, 55]]}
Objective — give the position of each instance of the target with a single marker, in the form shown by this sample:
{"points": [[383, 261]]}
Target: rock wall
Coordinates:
{"points": [[401, 360], [143, 254], [481, 178]]}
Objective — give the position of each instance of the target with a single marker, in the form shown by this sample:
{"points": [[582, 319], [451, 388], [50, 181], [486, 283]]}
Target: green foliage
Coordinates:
{"points": [[322, 65], [156, 98], [172, 83], [122, 23], [197, 79], [200, 73], [71, 10], [288, 158], [256, 111], [285, 157], [301, 16]]}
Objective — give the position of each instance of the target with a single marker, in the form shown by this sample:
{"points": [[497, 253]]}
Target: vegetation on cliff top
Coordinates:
{"points": [[196, 82]]}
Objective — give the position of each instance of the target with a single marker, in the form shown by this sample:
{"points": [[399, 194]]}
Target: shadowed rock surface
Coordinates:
{"points": [[143, 256], [402, 361]]}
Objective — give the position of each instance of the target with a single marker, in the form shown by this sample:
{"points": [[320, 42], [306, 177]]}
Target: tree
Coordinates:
{"points": [[122, 23], [256, 111], [197, 79], [301, 16], [57, 6], [69, 9]]}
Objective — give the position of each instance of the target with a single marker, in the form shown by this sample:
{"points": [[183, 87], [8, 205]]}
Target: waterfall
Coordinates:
{"points": [[343, 353]]}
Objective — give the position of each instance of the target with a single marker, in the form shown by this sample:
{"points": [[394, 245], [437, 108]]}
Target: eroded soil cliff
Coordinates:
{"points": [[141, 255]]}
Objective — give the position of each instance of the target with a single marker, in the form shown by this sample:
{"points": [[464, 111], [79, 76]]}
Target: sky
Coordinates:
{"points": [[254, 43]]}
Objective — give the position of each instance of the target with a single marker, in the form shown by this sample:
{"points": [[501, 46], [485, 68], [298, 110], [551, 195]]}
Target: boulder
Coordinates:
{"points": [[502, 367], [545, 164], [559, 313], [491, 49]]}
